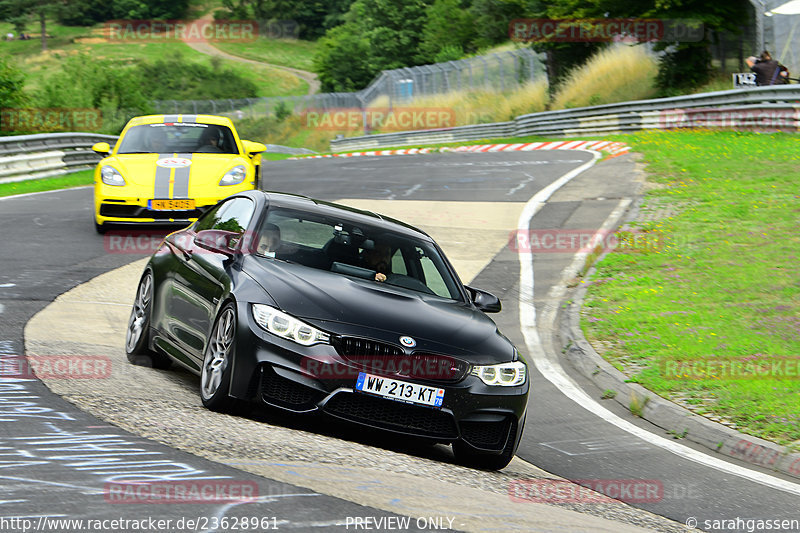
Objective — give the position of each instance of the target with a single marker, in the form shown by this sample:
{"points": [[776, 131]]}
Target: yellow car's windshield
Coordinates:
{"points": [[178, 138]]}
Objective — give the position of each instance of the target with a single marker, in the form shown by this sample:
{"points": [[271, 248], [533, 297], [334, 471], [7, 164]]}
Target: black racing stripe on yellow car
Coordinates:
{"points": [[180, 189], [161, 190]]}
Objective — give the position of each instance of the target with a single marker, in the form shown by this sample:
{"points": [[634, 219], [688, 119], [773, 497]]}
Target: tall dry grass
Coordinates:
{"points": [[481, 107], [619, 73]]}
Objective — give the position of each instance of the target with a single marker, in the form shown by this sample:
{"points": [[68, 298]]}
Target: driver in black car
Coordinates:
{"points": [[379, 259]]}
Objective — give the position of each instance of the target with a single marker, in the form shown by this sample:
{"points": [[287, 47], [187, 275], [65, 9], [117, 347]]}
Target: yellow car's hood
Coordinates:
{"points": [[177, 176]]}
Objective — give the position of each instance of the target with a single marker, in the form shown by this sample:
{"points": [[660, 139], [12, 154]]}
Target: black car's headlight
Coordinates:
{"points": [[503, 375], [234, 176], [111, 176], [286, 326]]}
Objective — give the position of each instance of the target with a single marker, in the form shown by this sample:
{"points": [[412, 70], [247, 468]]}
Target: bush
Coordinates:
{"points": [[12, 83], [85, 82], [172, 78], [282, 111]]}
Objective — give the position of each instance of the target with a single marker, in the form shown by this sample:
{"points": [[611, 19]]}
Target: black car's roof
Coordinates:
{"points": [[350, 214]]}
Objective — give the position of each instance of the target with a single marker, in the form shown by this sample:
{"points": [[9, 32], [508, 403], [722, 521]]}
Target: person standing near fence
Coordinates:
{"points": [[767, 70]]}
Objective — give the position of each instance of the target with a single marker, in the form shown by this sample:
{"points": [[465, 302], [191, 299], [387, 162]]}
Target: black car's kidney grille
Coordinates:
{"points": [[283, 392], [354, 347], [387, 359], [486, 435], [389, 414]]}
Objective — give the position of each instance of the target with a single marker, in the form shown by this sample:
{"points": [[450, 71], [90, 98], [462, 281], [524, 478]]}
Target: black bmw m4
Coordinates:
{"points": [[313, 307]]}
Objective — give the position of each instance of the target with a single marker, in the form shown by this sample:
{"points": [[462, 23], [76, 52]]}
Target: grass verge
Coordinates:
{"points": [[293, 53], [709, 316], [78, 179]]}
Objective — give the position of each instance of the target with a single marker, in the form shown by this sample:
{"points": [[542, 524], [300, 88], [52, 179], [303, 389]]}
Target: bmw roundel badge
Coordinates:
{"points": [[408, 342]]}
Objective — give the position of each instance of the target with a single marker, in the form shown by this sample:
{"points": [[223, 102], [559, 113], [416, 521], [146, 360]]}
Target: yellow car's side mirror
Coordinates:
{"points": [[251, 148], [101, 148]]}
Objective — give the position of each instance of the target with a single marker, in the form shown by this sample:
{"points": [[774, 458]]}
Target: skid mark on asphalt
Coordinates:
{"points": [[593, 446]]}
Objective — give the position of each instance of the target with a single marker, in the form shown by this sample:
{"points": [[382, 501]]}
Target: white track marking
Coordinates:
{"points": [[14, 197], [555, 374]]}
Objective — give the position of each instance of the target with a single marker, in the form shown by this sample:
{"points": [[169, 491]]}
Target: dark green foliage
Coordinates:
{"points": [[173, 78], [282, 111], [313, 17], [89, 12], [12, 83], [377, 35], [341, 61], [448, 31], [683, 67]]}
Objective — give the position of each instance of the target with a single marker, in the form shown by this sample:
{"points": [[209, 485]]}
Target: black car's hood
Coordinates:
{"points": [[352, 306]]}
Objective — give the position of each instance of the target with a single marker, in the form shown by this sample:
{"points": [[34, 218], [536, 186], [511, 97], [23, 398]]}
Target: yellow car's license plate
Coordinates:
{"points": [[172, 205]]}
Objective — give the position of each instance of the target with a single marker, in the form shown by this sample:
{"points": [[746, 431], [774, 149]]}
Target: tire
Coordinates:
{"points": [[216, 372], [100, 228], [137, 336], [467, 456]]}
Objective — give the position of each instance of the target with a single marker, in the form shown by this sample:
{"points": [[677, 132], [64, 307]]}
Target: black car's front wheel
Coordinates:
{"points": [[215, 375], [137, 335]]}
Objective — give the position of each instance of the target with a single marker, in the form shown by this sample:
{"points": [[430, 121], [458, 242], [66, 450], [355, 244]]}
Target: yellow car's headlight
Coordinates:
{"points": [[234, 176], [111, 176]]}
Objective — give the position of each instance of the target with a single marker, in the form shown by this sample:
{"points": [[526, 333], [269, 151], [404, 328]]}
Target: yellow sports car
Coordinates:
{"points": [[167, 169]]}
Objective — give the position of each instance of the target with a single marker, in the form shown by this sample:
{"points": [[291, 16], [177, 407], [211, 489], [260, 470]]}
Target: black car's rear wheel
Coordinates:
{"points": [[137, 336], [215, 375]]}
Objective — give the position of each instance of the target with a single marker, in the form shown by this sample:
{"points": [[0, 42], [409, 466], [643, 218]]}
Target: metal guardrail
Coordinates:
{"points": [[25, 157], [758, 109], [457, 134]]}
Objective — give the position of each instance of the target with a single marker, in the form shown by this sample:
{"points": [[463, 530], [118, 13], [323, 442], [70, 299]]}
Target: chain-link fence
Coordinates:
{"points": [[494, 72]]}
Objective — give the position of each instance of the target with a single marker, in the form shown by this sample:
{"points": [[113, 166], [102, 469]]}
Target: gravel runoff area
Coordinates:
{"points": [[164, 406]]}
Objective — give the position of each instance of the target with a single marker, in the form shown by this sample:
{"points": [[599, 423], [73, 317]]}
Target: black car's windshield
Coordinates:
{"points": [[358, 250], [178, 137]]}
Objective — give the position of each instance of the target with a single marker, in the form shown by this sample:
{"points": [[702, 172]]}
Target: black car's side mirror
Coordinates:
{"points": [[485, 301], [217, 241]]}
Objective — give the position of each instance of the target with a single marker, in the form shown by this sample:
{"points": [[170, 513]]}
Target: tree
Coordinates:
{"points": [[21, 10], [448, 31], [393, 30], [342, 60]]}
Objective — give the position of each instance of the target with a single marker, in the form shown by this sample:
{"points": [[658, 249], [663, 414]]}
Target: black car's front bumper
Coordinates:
{"points": [[301, 379]]}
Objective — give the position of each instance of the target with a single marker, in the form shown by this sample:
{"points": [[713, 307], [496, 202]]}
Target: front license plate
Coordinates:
{"points": [[400, 390], [171, 205]]}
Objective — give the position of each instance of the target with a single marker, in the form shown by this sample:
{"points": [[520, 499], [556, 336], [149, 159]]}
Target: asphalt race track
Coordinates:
{"points": [[471, 203]]}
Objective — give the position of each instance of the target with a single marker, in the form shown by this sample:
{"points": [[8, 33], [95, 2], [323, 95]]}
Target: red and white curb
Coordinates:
{"points": [[612, 148]]}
